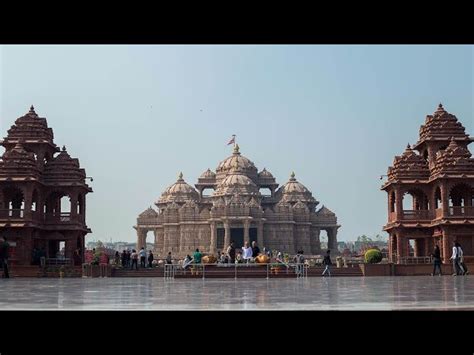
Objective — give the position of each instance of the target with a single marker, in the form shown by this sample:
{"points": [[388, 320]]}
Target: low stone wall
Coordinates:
{"points": [[406, 270], [96, 270]]}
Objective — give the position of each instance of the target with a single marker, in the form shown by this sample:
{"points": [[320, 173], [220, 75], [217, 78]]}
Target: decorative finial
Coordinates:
{"points": [[440, 107], [236, 149], [64, 148], [408, 146], [32, 109], [180, 176], [292, 175]]}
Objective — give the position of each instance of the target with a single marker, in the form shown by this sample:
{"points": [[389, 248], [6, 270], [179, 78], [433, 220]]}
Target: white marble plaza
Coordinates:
{"points": [[343, 293]]}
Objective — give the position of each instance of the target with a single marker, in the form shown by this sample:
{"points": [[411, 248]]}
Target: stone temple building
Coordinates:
{"points": [[42, 193], [431, 192], [284, 219]]}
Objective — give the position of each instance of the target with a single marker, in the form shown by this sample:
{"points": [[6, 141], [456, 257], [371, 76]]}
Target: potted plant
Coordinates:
{"points": [[276, 268], [61, 271]]}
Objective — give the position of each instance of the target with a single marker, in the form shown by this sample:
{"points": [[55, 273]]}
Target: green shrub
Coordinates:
{"points": [[373, 256]]}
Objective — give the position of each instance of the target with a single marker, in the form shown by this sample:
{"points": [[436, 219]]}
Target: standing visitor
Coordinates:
{"points": [[327, 262], [255, 249], [129, 257], [134, 257], [231, 252], [124, 258], [142, 254], [461, 259], [117, 258], [197, 256], [150, 259], [436, 260], [247, 252], [457, 268], [168, 259], [4, 246], [187, 261]]}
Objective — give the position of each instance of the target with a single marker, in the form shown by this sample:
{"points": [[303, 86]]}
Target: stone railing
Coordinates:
{"points": [[461, 211]]}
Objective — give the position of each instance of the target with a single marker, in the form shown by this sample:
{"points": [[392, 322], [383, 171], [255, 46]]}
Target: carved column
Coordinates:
{"points": [[400, 247], [446, 247], [74, 206], [260, 235], [226, 235], [213, 246], [246, 231], [444, 200], [398, 203], [141, 238]]}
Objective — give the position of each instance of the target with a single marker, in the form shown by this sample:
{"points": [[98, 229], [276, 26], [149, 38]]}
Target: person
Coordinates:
{"points": [[299, 261], [461, 259], [238, 258], [117, 258], [255, 249], [187, 261], [436, 260], [150, 259], [231, 252], [4, 249], [327, 262], [169, 260], [197, 256], [223, 258], [128, 257], [457, 268], [35, 256], [134, 258], [142, 254], [247, 252], [124, 258]]}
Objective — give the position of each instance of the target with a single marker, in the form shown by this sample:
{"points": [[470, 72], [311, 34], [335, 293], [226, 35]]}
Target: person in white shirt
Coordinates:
{"points": [[456, 257], [246, 252]]}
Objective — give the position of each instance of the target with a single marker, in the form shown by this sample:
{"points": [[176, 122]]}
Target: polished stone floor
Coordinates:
{"points": [[343, 293]]}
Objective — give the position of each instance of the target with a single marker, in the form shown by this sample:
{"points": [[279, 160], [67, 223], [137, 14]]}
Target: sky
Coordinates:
{"points": [[136, 116]]}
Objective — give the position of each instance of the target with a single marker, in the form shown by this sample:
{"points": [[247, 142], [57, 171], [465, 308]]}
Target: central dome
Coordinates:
{"points": [[236, 160], [180, 191], [236, 183]]}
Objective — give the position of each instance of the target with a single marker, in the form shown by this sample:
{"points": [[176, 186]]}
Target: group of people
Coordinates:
{"points": [[4, 253], [231, 256], [129, 259], [457, 257]]}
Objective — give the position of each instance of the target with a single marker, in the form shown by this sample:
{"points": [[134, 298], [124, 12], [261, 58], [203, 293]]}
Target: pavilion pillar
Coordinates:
{"points": [[226, 235], [74, 200], [446, 247], [393, 246], [260, 235], [246, 231], [398, 203], [445, 200], [400, 247], [213, 246], [141, 237], [416, 249]]}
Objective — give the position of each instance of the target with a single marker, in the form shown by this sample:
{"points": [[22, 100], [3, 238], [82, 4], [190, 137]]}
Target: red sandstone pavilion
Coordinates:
{"points": [[42, 194], [440, 181]]}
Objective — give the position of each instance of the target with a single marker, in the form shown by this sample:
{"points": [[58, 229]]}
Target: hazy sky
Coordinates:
{"points": [[336, 115]]}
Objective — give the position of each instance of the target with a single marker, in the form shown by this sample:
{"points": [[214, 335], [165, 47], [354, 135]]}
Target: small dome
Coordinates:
{"points": [[265, 174], [208, 174], [293, 191], [409, 166], [63, 168], [442, 125], [148, 213], [180, 191]]}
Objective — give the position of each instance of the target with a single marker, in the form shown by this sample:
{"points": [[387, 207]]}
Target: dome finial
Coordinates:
{"points": [[64, 148], [32, 109], [408, 146], [236, 149], [292, 176], [440, 107], [180, 176]]}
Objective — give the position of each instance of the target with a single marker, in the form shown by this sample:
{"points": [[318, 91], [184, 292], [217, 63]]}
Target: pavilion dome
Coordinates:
{"points": [[265, 174], [409, 165], [442, 125], [63, 168], [17, 161], [180, 191], [294, 191], [148, 213], [454, 159], [30, 127]]}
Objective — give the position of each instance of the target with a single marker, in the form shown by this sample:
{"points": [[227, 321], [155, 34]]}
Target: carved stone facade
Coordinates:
{"points": [[42, 193], [286, 219], [440, 181]]}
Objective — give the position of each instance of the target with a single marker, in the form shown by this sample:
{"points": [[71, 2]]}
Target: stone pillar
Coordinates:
{"points": [[416, 249], [394, 249], [400, 247], [141, 238], [446, 247], [246, 231], [260, 241], [73, 207], [398, 203], [213, 246], [444, 200], [226, 235]]}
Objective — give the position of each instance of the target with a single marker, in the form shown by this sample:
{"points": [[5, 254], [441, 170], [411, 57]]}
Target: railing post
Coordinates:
{"points": [[267, 272], [203, 271], [235, 266]]}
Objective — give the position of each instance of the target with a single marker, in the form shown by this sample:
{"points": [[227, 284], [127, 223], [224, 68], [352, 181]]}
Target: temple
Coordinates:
{"points": [[42, 193], [431, 191], [284, 218]]}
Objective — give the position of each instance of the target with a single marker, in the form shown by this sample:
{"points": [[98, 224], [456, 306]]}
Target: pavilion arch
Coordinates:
{"points": [[461, 194], [206, 193], [57, 202], [415, 199], [14, 201]]}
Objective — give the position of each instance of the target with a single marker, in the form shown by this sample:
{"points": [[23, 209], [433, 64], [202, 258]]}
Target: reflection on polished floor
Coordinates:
{"points": [[349, 293]]}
